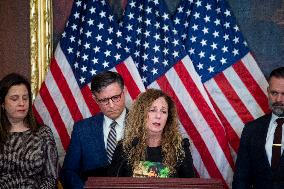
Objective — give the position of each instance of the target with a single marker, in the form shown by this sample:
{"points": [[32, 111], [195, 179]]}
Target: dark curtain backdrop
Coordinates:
{"points": [[261, 21]]}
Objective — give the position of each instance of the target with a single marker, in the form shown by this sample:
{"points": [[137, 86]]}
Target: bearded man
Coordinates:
{"points": [[260, 161]]}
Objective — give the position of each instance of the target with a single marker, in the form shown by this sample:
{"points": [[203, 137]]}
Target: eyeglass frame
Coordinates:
{"points": [[100, 101]]}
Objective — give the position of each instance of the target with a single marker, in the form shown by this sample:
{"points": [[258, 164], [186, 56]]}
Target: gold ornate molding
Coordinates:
{"points": [[41, 20]]}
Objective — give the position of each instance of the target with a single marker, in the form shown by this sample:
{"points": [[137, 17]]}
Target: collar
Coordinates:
{"points": [[120, 120], [274, 117]]}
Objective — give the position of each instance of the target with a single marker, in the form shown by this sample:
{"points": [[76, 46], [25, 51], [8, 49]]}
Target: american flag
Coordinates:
{"points": [[163, 63], [91, 43], [198, 57], [221, 57]]}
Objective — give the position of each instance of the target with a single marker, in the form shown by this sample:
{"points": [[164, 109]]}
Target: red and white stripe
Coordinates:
{"points": [[61, 102], [210, 149], [238, 95]]}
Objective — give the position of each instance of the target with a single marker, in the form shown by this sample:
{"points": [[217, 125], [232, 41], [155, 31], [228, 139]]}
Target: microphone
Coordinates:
{"points": [[134, 143], [186, 142]]}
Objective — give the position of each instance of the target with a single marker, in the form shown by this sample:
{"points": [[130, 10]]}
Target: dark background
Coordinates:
{"points": [[261, 21], [14, 37]]}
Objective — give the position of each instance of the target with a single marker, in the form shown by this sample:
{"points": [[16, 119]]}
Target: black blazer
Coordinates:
{"points": [[252, 166]]}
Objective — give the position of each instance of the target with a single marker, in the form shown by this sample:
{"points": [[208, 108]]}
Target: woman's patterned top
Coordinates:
{"points": [[29, 160]]}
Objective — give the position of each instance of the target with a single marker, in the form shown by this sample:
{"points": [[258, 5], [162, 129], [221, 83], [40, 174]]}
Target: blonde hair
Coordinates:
{"points": [[135, 131]]}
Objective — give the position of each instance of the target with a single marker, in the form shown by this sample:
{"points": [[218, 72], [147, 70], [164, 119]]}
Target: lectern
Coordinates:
{"points": [[129, 182]]}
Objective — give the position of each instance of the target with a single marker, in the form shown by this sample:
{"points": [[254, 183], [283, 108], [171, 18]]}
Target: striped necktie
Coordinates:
{"points": [[276, 147], [111, 141]]}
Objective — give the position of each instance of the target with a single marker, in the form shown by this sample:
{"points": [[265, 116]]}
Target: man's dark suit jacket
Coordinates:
{"points": [[252, 167], [86, 153]]}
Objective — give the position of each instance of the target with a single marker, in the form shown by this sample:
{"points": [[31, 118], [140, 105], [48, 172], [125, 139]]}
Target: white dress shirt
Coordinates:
{"points": [[270, 137], [119, 127]]}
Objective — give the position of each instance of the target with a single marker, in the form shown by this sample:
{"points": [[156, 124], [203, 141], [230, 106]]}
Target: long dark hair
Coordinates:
{"points": [[5, 84]]}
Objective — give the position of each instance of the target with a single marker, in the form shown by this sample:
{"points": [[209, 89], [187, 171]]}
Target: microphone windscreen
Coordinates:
{"points": [[135, 141]]}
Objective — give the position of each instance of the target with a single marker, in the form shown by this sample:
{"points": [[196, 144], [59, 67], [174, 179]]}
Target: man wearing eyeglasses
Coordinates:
{"points": [[94, 139]]}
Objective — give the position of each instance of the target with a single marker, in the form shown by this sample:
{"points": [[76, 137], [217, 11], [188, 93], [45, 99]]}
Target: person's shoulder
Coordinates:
{"points": [[89, 125], [86, 122], [261, 120], [258, 124], [44, 130]]}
